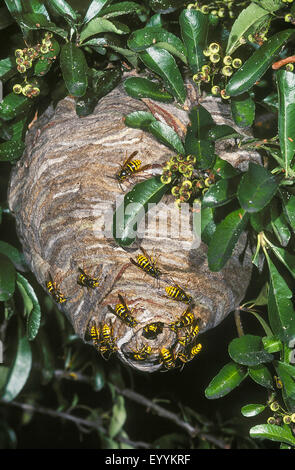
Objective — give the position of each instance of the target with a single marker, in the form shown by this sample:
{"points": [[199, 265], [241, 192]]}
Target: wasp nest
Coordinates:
{"points": [[63, 193]]}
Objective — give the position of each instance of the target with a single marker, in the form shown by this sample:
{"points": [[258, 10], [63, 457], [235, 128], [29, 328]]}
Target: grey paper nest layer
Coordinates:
{"points": [[62, 193]]}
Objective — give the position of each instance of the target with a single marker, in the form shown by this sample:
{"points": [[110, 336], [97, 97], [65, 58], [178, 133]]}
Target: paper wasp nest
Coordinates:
{"points": [[63, 193]]}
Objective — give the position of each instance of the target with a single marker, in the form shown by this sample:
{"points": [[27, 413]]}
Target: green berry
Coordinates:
{"points": [[293, 418], [221, 12], [186, 184], [206, 69], [44, 49], [274, 406], [287, 419], [215, 90], [205, 9], [21, 68], [214, 47], [224, 95], [175, 191], [227, 71], [214, 12], [18, 53], [207, 52], [165, 179], [237, 63], [227, 60], [180, 158], [290, 67], [271, 420], [215, 58], [288, 18], [17, 89], [191, 159]]}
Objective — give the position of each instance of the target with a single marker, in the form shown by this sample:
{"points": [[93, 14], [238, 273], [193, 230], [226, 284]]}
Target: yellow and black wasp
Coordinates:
{"points": [[147, 264], [152, 330], [142, 353], [183, 357], [192, 332], [177, 293], [129, 168], [103, 338], [54, 291], [167, 358], [123, 312], [86, 281], [186, 319]]}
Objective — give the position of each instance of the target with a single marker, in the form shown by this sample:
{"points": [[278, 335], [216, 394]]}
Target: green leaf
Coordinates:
{"points": [[20, 369], [5, 18], [36, 21], [272, 344], [95, 8], [138, 87], [14, 7], [101, 25], [62, 8], [228, 378], [225, 238], [74, 69], [139, 119], [14, 105], [224, 169], [122, 8], [221, 193], [248, 22], [163, 64], [208, 225], [133, 208], [194, 27], [261, 375], [252, 410], [14, 255], [286, 123], [102, 82], [248, 350], [11, 151], [289, 208], [270, 5], [36, 6], [257, 188], [287, 378], [34, 312], [221, 132], [243, 110], [7, 278], [118, 418], [116, 43], [203, 150], [273, 433], [166, 135], [7, 68], [280, 309], [279, 224], [253, 69], [201, 122], [156, 36]]}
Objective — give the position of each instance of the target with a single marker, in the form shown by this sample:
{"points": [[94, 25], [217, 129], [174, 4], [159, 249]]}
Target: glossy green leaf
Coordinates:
{"points": [[163, 64], [36, 6], [225, 238], [248, 350], [13, 105], [255, 67], [101, 25], [221, 132], [5, 18], [287, 378], [64, 9], [43, 65], [101, 83], [117, 44], [252, 410], [21, 367], [14, 7], [228, 378], [11, 151], [224, 169], [7, 68], [203, 150], [194, 27], [121, 8], [34, 310], [74, 69], [289, 208], [14, 255], [142, 39], [166, 135], [243, 110], [139, 87], [118, 417], [257, 188], [273, 433], [248, 22], [272, 344], [286, 123], [133, 208], [95, 8], [201, 122], [7, 278], [262, 376], [221, 193], [208, 225], [279, 223], [280, 308], [270, 5], [37, 21], [139, 119], [165, 6]]}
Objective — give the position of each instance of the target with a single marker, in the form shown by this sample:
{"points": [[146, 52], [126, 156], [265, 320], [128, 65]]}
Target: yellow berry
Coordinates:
{"points": [[205, 9], [227, 60], [214, 58], [290, 67], [206, 69], [207, 52], [288, 18], [215, 90], [17, 89], [227, 71], [237, 63], [287, 419], [224, 95], [271, 420], [21, 68], [274, 406], [18, 53], [214, 47]]}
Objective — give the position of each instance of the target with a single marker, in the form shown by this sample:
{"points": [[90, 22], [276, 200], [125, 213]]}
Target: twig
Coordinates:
{"points": [[280, 63], [238, 321]]}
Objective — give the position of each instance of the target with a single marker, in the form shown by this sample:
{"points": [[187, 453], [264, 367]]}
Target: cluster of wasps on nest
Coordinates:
{"points": [[185, 327]]}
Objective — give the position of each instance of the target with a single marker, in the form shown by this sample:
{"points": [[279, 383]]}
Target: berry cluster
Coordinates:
{"points": [[280, 416], [217, 9], [189, 183], [218, 65]]}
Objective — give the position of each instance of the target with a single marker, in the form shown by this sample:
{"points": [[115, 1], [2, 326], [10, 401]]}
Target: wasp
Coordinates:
{"points": [[129, 168], [152, 330], [186, 319], [142, 353], [94, 333], [147, 264], [193, 352], [191, 334], [54, 292], [177, 293], [86, 281], [123, 312], [167, 358], [103, 338]]}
